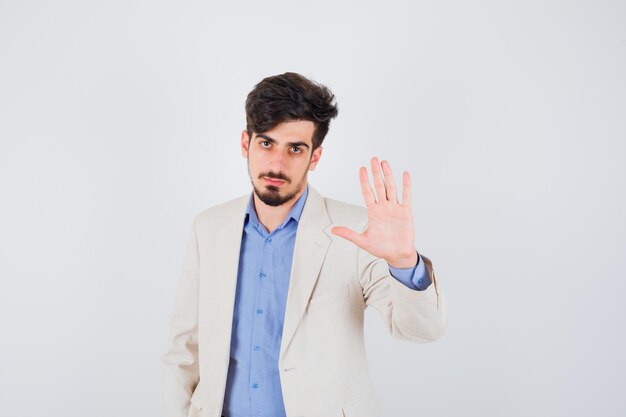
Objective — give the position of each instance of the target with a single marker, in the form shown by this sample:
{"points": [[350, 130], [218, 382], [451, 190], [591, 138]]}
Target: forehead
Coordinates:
{"points": [[292, 131]]}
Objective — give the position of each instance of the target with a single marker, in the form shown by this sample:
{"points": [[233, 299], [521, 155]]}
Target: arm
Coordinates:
{"points": [[389, 236], [418, 316], [180, 359]]}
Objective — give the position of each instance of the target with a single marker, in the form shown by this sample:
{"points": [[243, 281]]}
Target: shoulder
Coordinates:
{"points": [[216, 215], [346, 214]]}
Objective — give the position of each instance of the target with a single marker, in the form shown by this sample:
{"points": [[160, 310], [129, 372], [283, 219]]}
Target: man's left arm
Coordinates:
{"points": [[404, 288]]}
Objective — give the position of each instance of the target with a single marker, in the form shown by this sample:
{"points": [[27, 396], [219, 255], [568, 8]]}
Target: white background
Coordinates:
{"points": [[120, 120]]}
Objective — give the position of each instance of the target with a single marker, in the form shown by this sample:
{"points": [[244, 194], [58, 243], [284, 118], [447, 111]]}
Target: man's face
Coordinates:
{"points": [[279, 159]]}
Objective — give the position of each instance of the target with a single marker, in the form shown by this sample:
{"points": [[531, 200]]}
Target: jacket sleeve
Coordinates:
{"points": [[180, 359], [418, 316]]}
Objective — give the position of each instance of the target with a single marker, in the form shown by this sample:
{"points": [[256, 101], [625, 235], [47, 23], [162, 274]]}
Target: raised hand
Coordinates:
{"points": [[389, 234]]}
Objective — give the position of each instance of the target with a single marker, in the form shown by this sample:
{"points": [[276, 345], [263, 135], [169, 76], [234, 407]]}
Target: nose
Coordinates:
{"points": [[278, 162]]}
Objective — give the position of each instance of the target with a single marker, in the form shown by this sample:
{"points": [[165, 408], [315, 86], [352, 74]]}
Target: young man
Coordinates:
{"points": [[268, 319]]}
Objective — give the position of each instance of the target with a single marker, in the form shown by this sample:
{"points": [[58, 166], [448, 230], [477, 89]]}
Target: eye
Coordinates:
{"points": [[265, 144], [296, 149]]}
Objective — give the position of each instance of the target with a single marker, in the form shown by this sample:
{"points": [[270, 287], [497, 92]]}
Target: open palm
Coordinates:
{"points": [[389, 234]]}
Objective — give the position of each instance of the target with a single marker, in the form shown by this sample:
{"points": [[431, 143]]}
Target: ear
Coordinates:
{"points": [[315, 158], [245, 143]]}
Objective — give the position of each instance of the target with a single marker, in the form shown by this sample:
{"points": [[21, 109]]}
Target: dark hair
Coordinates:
{"points": [[290, 96]]}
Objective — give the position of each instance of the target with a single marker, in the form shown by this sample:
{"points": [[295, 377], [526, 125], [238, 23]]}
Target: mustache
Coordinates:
{"points": [[275, 175]]}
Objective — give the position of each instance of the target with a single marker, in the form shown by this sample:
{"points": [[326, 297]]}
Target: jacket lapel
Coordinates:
{"points": [[228, 245], [312, 242]]}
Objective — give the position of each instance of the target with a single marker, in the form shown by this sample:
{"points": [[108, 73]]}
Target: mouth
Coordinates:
{"points": [[273, 181]]}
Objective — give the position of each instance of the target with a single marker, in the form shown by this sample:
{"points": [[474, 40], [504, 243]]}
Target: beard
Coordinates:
{"points": [[271, 194]]}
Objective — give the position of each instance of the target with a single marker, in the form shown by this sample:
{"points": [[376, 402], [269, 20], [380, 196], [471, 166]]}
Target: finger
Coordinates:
{"points": [[379, 184], [354, 237], [390, 184], [406, 189], [366, 188]]}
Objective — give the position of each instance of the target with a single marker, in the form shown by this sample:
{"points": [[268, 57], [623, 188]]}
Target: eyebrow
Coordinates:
{"points": [[274, 141]]}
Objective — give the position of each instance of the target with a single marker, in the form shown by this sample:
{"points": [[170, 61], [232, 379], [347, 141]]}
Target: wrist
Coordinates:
{"points": [[404, 261]]}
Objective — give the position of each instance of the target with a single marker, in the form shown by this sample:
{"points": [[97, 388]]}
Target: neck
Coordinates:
{"points": [[270, 216]]}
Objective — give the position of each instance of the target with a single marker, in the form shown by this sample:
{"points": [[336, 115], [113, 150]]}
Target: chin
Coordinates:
{"points": [[273, 197]]}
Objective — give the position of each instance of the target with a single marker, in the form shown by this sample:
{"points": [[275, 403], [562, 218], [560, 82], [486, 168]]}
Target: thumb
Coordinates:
{"points": [[348, 234]]}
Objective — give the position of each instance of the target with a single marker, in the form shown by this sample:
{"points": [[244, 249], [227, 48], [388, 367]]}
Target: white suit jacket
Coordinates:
{"points": [[323, 368]]}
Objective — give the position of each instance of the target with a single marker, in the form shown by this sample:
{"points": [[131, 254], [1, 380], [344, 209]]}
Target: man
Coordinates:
{"points": [[268, 320]]}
